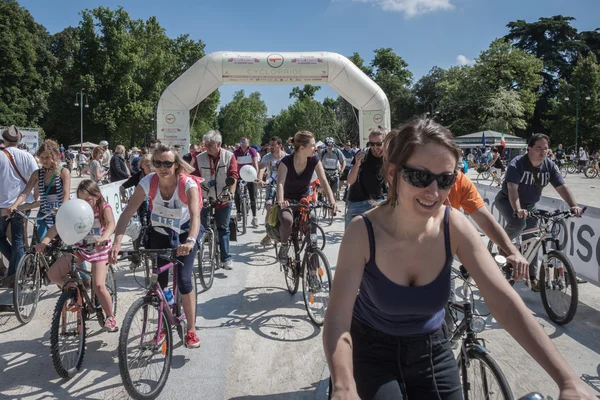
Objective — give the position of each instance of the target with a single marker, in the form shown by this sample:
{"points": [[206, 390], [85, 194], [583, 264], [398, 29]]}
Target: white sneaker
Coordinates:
{"points": [[228, 265], [254, 222]]}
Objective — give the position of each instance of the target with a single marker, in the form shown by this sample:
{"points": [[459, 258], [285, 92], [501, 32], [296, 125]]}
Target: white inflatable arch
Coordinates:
{"points": [[213, 70]]}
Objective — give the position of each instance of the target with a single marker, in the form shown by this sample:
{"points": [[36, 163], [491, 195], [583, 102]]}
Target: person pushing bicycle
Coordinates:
{"points": [[526, 177]]}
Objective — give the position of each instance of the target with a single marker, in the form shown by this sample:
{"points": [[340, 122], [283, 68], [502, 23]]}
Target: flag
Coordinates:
{"points": [[483, 138], [502, 142]]}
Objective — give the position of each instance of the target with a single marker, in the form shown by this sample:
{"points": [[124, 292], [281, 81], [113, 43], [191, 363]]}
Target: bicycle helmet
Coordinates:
{"points": [[329, 141], [103, 143]]}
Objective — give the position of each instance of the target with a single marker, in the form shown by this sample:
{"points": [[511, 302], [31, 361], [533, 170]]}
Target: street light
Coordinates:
{"points": [[577, 95], [80, 98], [432, 111]]}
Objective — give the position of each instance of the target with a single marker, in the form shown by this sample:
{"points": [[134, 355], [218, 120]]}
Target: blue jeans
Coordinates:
{"points": [[222, 217], [12, 251], [356, 208], [42, 229]]}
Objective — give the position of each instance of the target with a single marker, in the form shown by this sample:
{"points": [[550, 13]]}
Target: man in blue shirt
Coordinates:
{"points": [[526, 177]]}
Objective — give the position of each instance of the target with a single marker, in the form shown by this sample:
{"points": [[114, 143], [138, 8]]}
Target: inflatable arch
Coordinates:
{"points": [[213, 70]]}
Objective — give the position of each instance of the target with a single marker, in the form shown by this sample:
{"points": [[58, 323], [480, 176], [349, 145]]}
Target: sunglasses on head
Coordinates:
{"points": [[422, 179], [378, 144], [166, 164]]}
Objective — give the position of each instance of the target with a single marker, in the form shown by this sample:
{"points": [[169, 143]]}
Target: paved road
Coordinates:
{"points": [[257, 341]]}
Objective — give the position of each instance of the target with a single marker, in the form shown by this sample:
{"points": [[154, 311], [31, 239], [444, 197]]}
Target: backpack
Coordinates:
{"points": [[180, 188]]}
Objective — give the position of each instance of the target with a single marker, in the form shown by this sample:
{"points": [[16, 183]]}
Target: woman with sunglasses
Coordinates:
{"points": [[367, 186], [175, 220], [389, 341]]}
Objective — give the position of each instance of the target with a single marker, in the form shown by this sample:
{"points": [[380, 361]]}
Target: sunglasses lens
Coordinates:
{"points": [[420, 179]]}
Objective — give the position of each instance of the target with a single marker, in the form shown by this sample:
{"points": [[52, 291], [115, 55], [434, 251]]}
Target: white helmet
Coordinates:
{"points": [[104, 143]]}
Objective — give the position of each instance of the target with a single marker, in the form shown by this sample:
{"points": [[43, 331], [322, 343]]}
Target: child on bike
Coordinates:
{"points": [[99, 236]]}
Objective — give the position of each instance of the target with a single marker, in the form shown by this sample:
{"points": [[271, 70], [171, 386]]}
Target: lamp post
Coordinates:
{"points": [[432, 111], [577, 95], [80, 97]]}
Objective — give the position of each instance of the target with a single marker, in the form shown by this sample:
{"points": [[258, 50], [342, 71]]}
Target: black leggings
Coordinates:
{"points": [[184, 272], [252, 192], [404, 367]]}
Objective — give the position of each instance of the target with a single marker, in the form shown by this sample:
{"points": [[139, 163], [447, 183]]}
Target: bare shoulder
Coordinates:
{"points": [[462, 230], [355, 243]]}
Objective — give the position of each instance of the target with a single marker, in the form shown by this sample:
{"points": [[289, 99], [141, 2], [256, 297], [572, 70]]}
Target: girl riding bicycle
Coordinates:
{"points": [[175, 220], [293, 183], [51, 184], [384, 334], [99, 236]]}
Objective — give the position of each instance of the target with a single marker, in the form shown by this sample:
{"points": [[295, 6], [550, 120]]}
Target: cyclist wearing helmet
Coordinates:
{"points": [[333, 162], [106, 156]]}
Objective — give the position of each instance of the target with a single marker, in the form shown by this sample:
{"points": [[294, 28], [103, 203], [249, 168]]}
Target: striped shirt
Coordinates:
{"points": [[50, 197]]}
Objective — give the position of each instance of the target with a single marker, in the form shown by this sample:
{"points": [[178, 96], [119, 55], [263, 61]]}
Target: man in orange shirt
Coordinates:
{"points": [[464, 195]]}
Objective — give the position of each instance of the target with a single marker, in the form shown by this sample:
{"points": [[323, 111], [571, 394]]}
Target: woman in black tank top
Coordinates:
{"points": [[389, 341]]}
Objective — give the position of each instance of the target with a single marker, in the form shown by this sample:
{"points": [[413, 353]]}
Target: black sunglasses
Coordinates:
{"points": [[378, 144], [166, 164], [422, 179]]}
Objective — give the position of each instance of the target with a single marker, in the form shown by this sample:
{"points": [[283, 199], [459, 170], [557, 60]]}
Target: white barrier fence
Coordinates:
{"points": [[579, 238]]}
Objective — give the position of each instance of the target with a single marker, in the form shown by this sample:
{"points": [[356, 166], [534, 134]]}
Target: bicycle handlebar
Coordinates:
{"points": [[167, 254], [310, 206], [543, 214]]}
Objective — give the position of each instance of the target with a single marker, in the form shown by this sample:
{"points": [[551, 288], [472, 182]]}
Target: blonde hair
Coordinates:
{"points": [[51, 147], [302, 139], [146, 158], [182, 166], [401, 143], [97, 150]]}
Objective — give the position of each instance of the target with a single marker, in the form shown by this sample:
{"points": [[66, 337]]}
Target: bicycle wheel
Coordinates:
{"points": [[111, 287], [316, 284], [244, 211], [290, 270], [571, 168], [144, 355], [206, 260], [483, 178], [590, 172], [67, 335], [482, 377], [321, 238], [26, 292], [560, 293], [563, 171]]}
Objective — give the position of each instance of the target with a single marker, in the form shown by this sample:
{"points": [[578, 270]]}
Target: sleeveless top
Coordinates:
{"points": [[298, 186], [498, 163], [402, 310], [53, 199]]}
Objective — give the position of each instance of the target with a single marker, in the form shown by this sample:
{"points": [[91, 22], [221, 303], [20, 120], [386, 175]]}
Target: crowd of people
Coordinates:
{"points": [[385, 335]]}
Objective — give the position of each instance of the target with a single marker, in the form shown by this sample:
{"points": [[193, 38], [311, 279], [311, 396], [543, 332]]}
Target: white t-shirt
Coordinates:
{"points": [[583, 155], [12, 184], [173, 213]]}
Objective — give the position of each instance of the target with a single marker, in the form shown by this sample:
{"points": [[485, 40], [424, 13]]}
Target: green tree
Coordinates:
{"points": [[27, 68], [243, 116], [307, 92], [504, 111], [307, 114], [428, 92]]}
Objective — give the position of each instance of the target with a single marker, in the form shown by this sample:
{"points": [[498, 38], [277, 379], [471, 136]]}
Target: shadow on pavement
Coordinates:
{"points": [[304, 393]]}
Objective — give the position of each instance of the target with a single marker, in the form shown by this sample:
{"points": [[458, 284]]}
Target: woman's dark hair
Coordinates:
{"points": [[302, 139], [401, 143], [536, 137], [90, 187]]}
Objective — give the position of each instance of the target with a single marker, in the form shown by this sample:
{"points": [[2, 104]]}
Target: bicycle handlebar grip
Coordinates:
{"points": [[533, 396]]}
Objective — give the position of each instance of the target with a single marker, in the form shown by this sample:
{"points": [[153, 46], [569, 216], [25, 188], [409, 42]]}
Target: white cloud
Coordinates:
{"points": [[410, 8], [463, 60]]}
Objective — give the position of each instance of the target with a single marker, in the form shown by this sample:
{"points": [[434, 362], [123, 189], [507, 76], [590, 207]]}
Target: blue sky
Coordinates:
{"points": [[425, 33]]}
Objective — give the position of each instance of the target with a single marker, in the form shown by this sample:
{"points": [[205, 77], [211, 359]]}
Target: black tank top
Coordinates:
{"points": [[297, 186], [403, 310]]}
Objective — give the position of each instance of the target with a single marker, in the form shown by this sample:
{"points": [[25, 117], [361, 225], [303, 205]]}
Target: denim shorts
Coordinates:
{"points": [[418, 367]]}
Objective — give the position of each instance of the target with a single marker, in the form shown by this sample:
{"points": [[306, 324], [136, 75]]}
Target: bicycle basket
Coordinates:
{"points": [[482, 168]]}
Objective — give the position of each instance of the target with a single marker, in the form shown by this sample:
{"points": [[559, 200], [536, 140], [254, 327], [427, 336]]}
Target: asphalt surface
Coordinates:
{"points": [[257, 340]]}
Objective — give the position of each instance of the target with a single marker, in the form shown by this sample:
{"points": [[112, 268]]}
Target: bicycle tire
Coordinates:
{"points": [[483, 177], [166, 348], [111, 286], [26, 276], [571, 168], [207, 260], [290, 272], [563, 171], [326, 286], [244, 212], [590, 172], [571, 279], [57, 319], [320, 230], [486, 360]]}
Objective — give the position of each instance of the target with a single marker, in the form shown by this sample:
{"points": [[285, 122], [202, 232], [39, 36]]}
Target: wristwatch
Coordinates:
{"points": [[190, 240]]}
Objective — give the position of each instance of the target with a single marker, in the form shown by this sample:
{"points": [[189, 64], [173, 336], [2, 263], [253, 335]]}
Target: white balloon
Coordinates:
{"points": [[74, 220], [248, 173], [314, 177]]}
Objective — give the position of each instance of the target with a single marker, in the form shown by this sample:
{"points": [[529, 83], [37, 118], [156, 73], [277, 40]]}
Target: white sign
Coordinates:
{"points": [[32, 140], [579, 239], [173, 128], [275, 68]]}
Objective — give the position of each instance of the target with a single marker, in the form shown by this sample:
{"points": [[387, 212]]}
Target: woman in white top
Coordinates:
{"points": [[175, 219]]}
